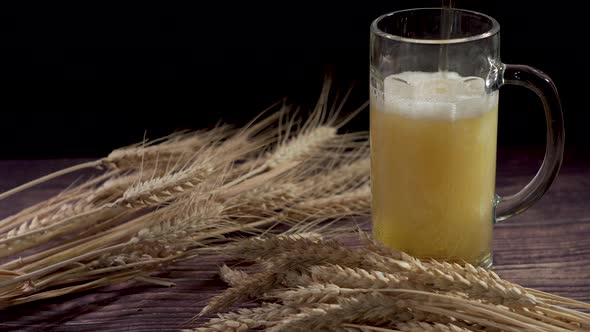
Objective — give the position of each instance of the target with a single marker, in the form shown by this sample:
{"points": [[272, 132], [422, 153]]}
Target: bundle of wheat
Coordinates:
{"points": [[307, 283], [184, 195]]}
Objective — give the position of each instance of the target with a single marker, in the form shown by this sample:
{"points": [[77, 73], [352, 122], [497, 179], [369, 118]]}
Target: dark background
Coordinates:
{"points": [[80, 80]]}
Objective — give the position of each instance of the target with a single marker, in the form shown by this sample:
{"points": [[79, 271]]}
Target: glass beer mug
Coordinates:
{"points": [[434, 116]]}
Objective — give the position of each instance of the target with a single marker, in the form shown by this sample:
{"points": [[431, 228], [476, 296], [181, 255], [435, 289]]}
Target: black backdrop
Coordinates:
{"points": [[80, 80]]}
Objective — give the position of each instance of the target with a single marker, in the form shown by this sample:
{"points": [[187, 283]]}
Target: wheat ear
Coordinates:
{"points": [[295, 261], [122, 158], [245, 319], [478, 282], [436, 305], [231, 276], [295, 253], [44, 208], [66, 211], [252, 287], [370, 307], [69, 225]]}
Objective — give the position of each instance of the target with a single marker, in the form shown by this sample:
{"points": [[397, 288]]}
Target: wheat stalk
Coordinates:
{"points": [[301, 186], [137, 217], [346, 176], [386, 291], [284, 263], [165, 233]]}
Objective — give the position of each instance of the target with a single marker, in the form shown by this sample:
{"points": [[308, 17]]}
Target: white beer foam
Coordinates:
{"points": [[437, 96]]}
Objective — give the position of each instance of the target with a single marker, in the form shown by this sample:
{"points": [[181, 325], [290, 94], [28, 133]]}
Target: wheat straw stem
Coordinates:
{"points": [[79, 277], [40, 284], [21, 262], [369, 307], [244, 177], [352, 203], [55, 267], [321, 293], [480, 320], [471, 305], [367, 328], [103, 225], [544, 318], [155, 281], [556, 299], [570, 314], [137, 266], [95, 243], [108, 280], [227, 191], [48, 177], [341, 179], [118, 233]]}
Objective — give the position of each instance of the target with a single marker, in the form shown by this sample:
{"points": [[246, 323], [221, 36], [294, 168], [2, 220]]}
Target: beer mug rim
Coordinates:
{"points": [[492, 26]]}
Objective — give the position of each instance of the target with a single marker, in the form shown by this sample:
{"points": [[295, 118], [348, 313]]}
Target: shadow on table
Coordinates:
{"points": [[51, 314]]}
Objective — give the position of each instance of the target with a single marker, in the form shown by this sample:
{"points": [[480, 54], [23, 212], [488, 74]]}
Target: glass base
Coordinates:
{"points": [[487, 263]]}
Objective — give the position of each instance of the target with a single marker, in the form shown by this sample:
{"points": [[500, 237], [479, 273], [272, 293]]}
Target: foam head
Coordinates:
{"points": [[437, 95]]}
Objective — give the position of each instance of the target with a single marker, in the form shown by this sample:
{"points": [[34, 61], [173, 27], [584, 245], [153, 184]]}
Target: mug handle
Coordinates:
{"points": [[543, 86]]}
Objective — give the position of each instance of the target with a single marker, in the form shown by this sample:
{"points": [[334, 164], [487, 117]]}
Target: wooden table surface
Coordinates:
{"points": [[547, 247]]}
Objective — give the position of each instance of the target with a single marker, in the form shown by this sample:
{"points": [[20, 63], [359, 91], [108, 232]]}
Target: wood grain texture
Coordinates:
{"points": [[547, 247]]}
